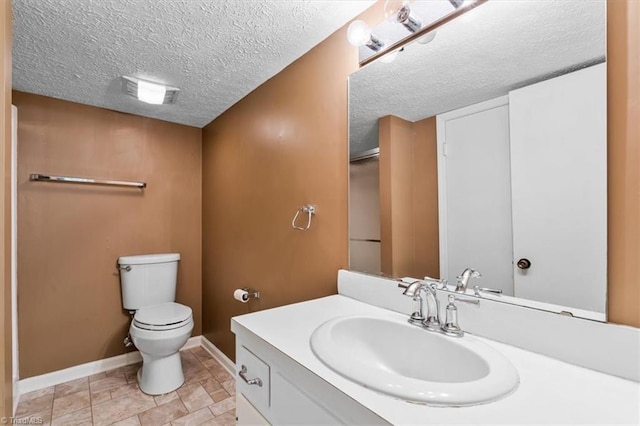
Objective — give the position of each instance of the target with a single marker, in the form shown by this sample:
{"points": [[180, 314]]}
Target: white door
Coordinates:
{"points": [[559, 192], [475, 193]]}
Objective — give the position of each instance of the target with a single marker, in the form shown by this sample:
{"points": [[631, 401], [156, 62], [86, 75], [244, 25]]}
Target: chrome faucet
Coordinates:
{"points": [[463, 279], [428, 286]]}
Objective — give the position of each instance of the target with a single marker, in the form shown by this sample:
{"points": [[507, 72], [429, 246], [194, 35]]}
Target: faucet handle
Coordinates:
{"points": [[451, 327], [438, 284], [477, 290], [469, 272]]}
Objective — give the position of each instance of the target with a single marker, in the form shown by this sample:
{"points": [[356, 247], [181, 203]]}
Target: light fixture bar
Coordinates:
{"points": [[467, 6]]}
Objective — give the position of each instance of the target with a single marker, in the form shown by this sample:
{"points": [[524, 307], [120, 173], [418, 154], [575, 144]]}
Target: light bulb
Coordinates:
{"points": [[400, 12], [389, 57], [358, 33], [427, 38], [392, 8]]}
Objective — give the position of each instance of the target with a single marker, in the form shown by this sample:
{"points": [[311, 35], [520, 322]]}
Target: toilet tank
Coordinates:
{"points": [[148, 279]]}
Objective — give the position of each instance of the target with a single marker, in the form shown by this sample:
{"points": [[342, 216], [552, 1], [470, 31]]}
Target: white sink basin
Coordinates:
{"points": [[399, 359]]}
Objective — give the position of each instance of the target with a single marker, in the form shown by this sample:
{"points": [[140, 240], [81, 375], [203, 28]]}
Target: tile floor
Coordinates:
{"points": [[113, 398]]}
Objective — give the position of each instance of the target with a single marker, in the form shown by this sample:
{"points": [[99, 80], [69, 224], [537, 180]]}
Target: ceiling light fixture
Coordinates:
{"points": [[400, 12], [149, 92], [359, 34]]}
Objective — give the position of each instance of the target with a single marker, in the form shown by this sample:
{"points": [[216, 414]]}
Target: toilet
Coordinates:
{"points": [[160, 327]]}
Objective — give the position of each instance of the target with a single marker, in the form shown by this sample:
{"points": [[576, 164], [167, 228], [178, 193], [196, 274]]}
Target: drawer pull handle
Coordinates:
{"points": [[243, 374]]}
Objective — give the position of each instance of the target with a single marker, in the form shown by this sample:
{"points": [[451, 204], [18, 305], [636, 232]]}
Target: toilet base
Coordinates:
{"points": [[159, 375]]}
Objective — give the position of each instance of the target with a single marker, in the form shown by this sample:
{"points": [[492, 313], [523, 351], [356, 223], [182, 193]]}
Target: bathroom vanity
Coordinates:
{"points": [[273, 347]]}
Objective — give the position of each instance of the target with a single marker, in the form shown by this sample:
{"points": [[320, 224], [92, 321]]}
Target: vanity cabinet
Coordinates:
{"points": [[290, 394]]}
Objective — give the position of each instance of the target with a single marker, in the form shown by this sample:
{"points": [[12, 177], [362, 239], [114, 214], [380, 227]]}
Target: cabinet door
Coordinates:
{"points": [[559, 189], [246, 414]]}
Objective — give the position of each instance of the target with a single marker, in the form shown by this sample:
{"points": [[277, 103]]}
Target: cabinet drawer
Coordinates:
{"points": [[253, 378]]}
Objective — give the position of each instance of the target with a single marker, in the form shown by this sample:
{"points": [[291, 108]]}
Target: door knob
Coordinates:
{"points": [[524, 263]]}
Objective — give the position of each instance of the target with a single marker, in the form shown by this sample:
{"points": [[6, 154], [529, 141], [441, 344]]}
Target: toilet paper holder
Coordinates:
{"points": [[247, 293]]}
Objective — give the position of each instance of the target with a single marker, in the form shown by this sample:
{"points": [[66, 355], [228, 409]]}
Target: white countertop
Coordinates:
{"points": [[550, 391]]}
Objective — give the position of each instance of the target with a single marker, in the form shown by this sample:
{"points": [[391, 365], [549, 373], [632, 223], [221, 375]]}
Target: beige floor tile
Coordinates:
{"points": [[194, 397], [223, 406], [98, 376], [208, 363], [226, 419], [121, 408], [229, 386], [211, 385], [41, 404], [37, 394], [219, 395], [131, 376], [116, 372], [102, 396], [201, 354], [198, 350], [43, 418], [197, 376], [66, 404], [123, 390], [163, 413], [130, 421], [73, 386], [75, 418], [220, 373], [109, 383], [195, 418], [163, 399]]}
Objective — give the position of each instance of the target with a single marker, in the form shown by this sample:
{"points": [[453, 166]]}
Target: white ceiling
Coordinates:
{"points": [[495, 48], [216, 52]]}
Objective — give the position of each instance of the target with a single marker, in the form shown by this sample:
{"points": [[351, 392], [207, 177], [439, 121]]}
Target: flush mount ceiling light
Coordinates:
{"points": [[359, 34], [400, 12], [149, 92]]}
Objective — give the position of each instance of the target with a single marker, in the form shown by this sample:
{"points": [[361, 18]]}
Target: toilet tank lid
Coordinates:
{"points": [[148, 258]]}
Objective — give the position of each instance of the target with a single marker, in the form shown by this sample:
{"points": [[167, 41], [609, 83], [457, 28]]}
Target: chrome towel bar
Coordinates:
{"points": [[90, 181]]}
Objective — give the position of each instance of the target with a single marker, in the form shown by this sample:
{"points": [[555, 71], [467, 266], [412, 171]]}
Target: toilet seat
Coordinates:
{"points": [[164, 316]]}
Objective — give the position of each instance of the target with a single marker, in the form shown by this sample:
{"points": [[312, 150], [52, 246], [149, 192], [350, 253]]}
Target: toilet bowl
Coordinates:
{"points": [[159, 331]]}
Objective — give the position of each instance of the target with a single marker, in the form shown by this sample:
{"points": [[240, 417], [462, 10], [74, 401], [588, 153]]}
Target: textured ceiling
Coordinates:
{"points": [[216, 52], [499, 46]]}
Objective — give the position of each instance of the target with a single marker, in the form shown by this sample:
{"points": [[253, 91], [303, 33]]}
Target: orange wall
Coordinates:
{"points": [[623, 58], [70, 236], [6, 386], [409, 197], [282, 146]]}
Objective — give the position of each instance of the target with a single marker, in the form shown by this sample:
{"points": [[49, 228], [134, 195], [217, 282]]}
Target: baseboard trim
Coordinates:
{"points": [[83, 370], [219, 356]]}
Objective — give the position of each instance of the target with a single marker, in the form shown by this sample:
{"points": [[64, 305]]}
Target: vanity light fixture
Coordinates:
{"points": [[148, 91], [359, 34], [400, 12]]}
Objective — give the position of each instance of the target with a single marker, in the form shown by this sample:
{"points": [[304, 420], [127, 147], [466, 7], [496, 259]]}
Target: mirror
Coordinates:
{"points": [[486, 148]]}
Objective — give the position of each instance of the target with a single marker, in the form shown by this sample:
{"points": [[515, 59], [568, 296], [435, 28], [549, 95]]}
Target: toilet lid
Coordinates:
{"points": [[163, 314]]}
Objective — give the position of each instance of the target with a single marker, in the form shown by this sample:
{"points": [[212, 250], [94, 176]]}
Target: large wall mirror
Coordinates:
{"points": [[486, 148]]}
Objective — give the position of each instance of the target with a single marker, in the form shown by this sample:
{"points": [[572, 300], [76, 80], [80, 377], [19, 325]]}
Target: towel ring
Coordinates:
{"points": [[310, 210]]}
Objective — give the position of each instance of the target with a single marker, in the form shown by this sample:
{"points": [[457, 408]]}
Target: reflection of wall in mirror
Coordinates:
{"points": [[364, 216], [537, 156], [408, 197]]}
